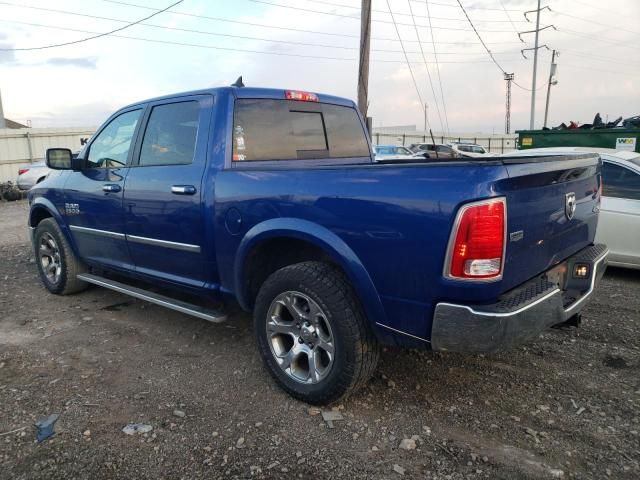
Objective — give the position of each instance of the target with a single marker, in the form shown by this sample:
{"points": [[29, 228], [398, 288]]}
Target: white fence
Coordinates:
{"points": [[26, 145]]}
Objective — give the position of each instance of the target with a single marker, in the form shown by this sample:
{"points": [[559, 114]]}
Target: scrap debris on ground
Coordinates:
{"points": [[144, 392]]}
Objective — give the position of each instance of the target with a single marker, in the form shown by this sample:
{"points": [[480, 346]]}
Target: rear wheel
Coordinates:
{"points": [[312, 334], [57, 264]]}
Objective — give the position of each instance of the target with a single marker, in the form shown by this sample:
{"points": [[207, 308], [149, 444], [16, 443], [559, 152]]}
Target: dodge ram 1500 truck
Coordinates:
{"points": [[272, 200]]}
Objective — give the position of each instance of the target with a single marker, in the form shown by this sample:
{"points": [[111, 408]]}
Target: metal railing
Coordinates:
{"points": [[497, 144]]}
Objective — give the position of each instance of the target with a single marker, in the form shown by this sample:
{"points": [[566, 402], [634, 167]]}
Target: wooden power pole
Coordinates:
{"points": [[363, 68]]}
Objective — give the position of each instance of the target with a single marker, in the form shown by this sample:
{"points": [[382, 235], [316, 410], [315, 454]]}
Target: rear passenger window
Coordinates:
{"points": [[291, 130], [170, 136]]}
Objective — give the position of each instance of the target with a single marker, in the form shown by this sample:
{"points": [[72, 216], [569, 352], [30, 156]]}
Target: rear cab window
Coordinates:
{"points": [[276, 130]]}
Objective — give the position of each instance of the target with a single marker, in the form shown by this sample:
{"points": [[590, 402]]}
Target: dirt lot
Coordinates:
{"points": [[567, 406]]}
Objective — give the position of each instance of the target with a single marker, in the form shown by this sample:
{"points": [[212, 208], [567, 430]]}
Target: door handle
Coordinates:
{"points": [[183, 189], [110, 187]]}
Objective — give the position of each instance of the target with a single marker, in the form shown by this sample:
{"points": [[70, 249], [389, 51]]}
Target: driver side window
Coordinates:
{"points": [[110, 148]]}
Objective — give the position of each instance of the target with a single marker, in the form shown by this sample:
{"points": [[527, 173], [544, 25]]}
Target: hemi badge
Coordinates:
{"points": [[516, 236]]}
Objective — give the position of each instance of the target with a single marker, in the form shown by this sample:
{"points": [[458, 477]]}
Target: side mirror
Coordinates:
{"points": [[59, 158]]}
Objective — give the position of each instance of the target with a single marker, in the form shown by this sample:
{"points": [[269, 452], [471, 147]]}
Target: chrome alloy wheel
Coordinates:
{"points": [[49, 254], [300, 337]]}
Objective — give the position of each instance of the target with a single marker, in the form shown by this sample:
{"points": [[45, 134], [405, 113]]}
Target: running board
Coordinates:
{"points": [[173, 304]]}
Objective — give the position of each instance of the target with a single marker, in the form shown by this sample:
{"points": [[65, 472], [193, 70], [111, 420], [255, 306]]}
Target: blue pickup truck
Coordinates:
{"points": [[272, 200]]}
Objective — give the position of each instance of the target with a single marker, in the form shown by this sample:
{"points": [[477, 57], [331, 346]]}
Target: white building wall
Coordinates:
{"points": [[23, 146]]}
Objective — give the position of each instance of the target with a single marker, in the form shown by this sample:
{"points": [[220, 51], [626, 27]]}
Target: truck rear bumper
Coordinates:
{"points": [[522, 313]]}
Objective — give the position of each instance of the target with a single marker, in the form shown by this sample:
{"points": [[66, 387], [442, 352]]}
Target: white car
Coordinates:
{"points": [[393, 152], [31, 174], [472, 150], [619, 222]]}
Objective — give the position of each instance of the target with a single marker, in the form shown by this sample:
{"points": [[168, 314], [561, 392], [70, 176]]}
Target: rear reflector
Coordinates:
{"points": [[476, 247], [301, 96], [22, 170]]}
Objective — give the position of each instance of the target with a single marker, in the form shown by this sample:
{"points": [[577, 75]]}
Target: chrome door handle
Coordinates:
{"points": [[110, 187], [183, 189]]}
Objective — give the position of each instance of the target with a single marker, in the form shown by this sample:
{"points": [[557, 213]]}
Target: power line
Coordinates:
{"points": [[243, 37], [415, 84], [599, 38], [435, 56], [426, 66], [470, 8], [214, 47], [97, 35], [261, 25], [607, 25], [342, 5], [238, 22], [333, 14], [493, 59], [515, 29]]}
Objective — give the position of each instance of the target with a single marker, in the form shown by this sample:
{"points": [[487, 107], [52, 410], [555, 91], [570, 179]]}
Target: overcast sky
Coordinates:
{"points": [[302, 48]]}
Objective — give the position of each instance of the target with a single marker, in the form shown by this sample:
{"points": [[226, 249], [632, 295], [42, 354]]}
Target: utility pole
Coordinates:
{"points": [[535, 68], [425, 116], [507, 118], [535, 57], [552, 81], [363, 68], [3, 123]]}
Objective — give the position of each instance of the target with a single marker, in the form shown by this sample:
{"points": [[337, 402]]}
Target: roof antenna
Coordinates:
{"points": [[238, 83]]}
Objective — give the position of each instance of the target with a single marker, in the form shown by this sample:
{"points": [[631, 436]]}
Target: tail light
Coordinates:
{"points": [[22, 170], [301, 96], [477, 243]]}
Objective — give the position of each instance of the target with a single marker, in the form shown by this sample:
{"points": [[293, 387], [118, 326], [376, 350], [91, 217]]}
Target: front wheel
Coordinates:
{"points": [[312, 334], [57, 264]]}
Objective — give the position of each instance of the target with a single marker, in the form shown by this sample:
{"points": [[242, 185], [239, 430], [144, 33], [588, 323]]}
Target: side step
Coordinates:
{"points": [[173, 304]]}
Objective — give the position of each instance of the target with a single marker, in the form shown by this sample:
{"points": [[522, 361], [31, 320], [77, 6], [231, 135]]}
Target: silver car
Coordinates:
{"points": [[619, 222], [31, 174]]}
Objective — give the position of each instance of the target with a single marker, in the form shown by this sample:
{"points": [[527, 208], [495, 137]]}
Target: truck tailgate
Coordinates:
{"points": [[552, 211]]}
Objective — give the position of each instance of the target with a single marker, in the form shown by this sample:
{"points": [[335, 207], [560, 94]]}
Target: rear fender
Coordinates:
{"points": [[322, 238]]}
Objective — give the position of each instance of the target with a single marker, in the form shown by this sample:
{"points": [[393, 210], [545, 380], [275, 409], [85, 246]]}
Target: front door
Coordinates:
{"points": [[164, 215], [93, 196]]}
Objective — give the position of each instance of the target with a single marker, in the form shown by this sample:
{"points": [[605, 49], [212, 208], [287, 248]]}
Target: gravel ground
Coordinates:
{"points": [[567, 406]]}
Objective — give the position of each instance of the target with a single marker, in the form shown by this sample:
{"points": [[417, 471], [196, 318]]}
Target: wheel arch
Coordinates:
{"points": [[320, 244], [42, 208]]}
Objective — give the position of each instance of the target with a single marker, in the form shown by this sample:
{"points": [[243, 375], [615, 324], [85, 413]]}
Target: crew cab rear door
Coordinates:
{"points": [[164, 216]]}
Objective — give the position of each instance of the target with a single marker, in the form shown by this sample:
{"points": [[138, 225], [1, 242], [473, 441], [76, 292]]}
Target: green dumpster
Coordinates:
{"points": [[617, 138]]}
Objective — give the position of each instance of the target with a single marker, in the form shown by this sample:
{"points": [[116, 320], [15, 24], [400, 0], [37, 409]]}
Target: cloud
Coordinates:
{"points": [[89, 62]]}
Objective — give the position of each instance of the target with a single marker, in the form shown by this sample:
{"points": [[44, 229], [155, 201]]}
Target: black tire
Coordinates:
{"points": [[356, 349], [66, 282]]}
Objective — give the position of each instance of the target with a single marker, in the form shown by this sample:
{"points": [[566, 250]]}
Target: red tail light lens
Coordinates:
{"points": [[476, 248], [301, 96], [22, 170]]}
